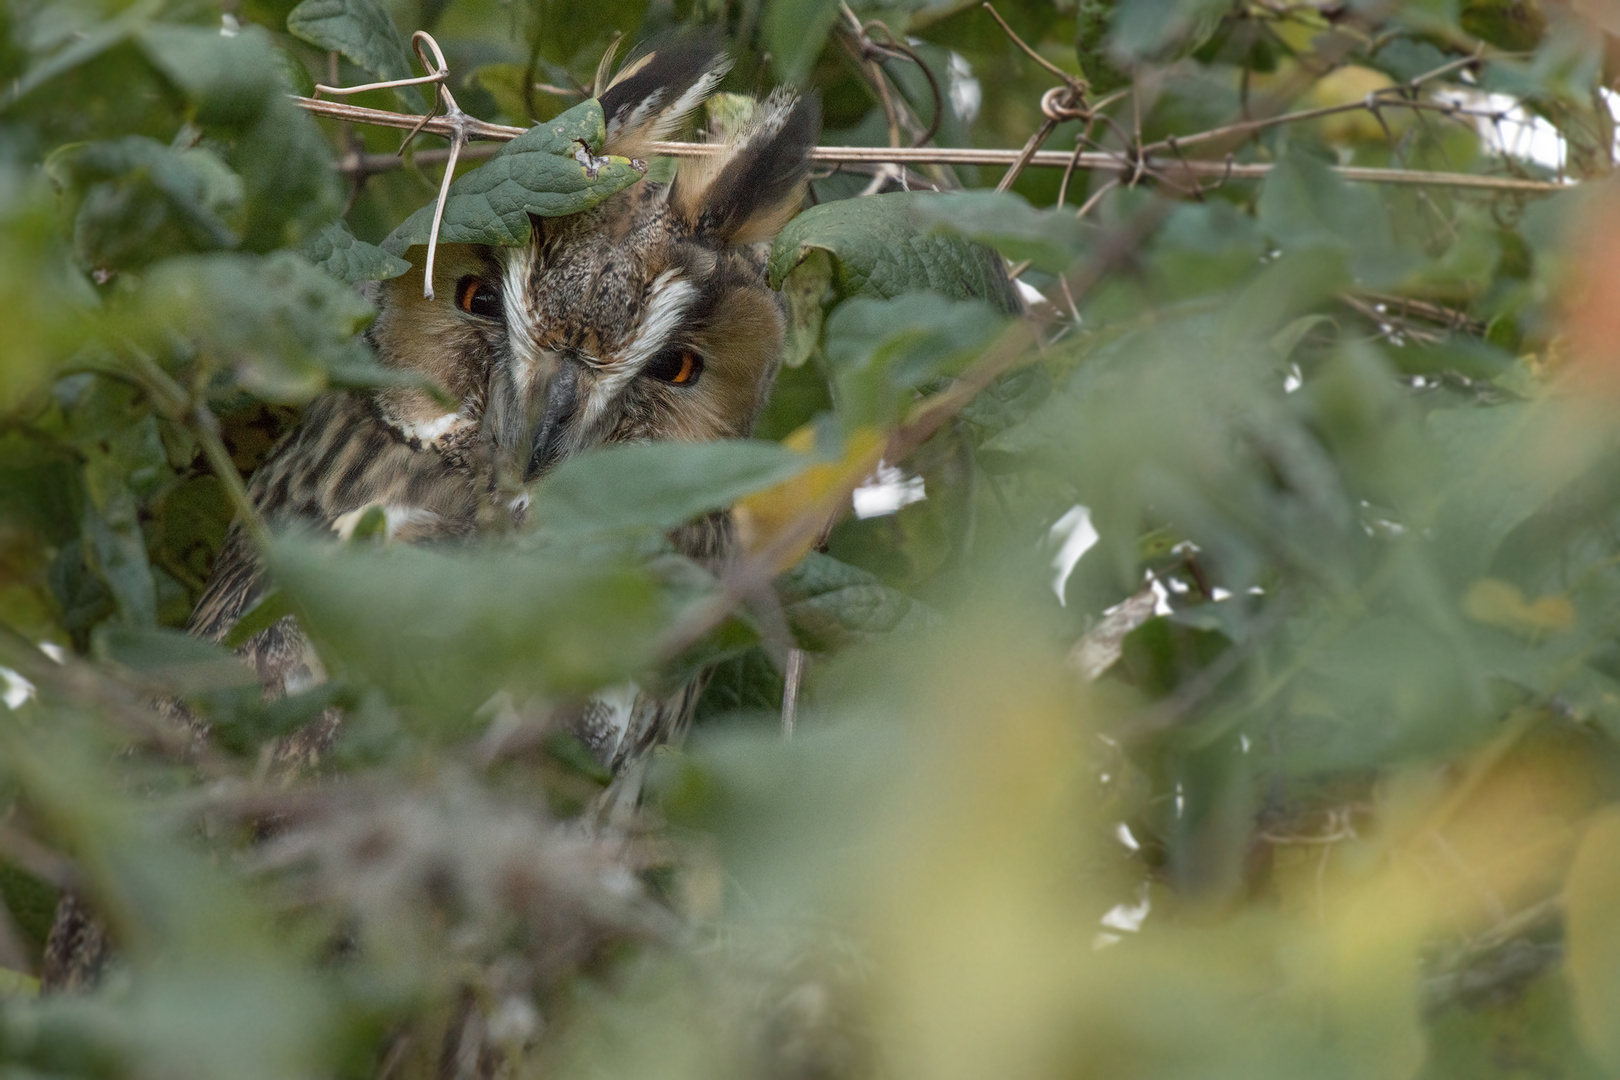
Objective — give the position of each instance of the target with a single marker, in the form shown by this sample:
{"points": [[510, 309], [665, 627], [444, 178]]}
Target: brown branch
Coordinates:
{"points": [[1091, 161]]}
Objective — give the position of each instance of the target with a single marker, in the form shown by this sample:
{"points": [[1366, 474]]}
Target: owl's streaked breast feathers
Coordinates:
{"points": [[647, 317]]}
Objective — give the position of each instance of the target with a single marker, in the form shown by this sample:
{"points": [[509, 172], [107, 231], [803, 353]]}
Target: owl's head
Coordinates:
{"points": [[646, 317]]}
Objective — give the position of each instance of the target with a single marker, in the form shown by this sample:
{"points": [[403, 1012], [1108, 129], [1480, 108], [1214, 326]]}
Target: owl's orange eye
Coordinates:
{"points": [[676, 365], [478, 297]]}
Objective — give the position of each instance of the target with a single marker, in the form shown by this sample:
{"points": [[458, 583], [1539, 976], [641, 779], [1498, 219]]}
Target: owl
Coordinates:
{"points": [[647, 317]]}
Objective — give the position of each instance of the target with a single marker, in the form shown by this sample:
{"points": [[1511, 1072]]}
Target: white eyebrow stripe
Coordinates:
{"points": [[526, 351], [671, 298]]}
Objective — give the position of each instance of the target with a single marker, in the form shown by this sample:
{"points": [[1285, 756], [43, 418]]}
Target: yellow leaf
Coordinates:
{"points": [[1349, 86], [1592, 936], [1500, 603], [762, 517]]}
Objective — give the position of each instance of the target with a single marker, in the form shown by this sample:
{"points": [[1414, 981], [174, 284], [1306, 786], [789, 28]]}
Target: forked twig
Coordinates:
{"points": [[453, 125]]}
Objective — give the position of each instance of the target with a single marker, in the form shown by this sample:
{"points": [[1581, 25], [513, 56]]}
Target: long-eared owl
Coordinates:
{"points": [[647, 317]]}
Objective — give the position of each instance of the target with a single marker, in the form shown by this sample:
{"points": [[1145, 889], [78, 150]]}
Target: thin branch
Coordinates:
{"points": [[1090, 161], [790, 692]]}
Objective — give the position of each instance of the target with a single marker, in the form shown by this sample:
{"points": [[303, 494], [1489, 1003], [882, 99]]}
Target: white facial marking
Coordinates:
{"points": [[526, 351], [431, 431], [671, 297]]}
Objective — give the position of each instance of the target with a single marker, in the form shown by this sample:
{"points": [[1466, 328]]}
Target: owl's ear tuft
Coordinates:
{"points": [[656, 88], [755, 183]]}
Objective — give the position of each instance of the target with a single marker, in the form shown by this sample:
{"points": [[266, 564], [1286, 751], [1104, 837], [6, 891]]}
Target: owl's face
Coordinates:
{"points": [[647, 317]]}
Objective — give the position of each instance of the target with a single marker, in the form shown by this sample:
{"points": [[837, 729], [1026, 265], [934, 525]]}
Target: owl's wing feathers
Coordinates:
{"points": [[346, 456]]}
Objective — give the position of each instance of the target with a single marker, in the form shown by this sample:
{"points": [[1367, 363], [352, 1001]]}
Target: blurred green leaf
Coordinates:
{"points": [[794, 32], [335, 250], [273, 324], [1051, 240], [658, 484], [881, 247], [144, 200], [359, 29], [235, 85], [1304, 203], [877, 350], [442, 631], [550, 170], [181, 662]]}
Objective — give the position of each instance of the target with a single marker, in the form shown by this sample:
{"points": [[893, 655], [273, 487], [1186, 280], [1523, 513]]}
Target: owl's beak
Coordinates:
{"points": [[560, 404]]}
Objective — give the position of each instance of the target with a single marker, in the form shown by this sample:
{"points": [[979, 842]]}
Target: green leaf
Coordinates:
{"points": [[658, 485], [46, 306], [442, 630], [273, 325], [794, 32], [291, 188], [181, 662], [882, 247], [235, 85], [144, 200], [806, 292], [228, 79], [112, 532], [878, 350], [270, 608], [832, 605], [336, 250], [1496, 467], [551, 170], [1009, 400], [1305, 204], [1049, 239], [359, 29], [742, 684]]}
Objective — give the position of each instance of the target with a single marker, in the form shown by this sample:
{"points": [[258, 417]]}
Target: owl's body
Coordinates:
{"points": [[644, 318]]}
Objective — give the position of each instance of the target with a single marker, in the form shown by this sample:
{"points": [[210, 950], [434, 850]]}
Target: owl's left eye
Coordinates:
{"points": [[675, 365], [478, 297]]}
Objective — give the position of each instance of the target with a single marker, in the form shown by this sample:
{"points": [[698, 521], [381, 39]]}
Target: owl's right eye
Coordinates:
{"points": [[478, 297]]}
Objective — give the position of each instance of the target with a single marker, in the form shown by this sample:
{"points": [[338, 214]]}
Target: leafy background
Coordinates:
{"points": [[1307, 764]]}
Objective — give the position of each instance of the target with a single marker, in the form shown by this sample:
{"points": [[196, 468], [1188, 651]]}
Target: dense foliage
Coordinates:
{"points": [[1308, 766]]}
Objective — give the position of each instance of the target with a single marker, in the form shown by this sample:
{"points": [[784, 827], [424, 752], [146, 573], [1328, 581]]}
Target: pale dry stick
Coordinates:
{"points": [[438, 73], [939, 155], [790, 692]]}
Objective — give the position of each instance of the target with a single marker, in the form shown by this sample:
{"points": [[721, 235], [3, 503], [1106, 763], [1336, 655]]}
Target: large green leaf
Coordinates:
{"points": [[143, 200], [1050, 239], [551, 170], [658, 484], [832, 604], [443, 630], [882, 246], [1305, 204], [794, 32], [273, 324], [359, 29], [336, 250], [235, 86], [880, 349]]}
